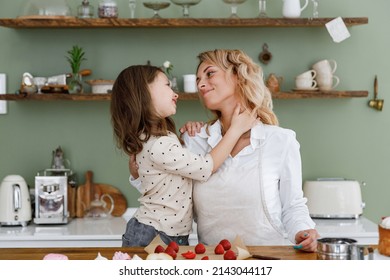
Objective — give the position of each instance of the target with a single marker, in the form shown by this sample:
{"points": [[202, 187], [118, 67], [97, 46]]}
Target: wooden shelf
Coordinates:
{"points": [[182, 96], [73, 22]]}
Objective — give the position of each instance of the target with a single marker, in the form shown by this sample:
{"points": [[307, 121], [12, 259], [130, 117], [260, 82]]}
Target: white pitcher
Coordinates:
{"points": [[292, 8]]}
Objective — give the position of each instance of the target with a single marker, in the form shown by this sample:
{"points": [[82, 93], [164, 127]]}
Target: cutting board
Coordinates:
{"points": [[86, 193]]}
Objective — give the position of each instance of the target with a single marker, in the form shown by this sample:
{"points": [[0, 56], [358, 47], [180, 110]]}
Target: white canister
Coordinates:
{"points": [[190, 83]]}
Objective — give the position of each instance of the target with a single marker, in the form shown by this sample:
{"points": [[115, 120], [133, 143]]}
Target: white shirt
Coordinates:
{"points": [[166, 170], [257, 194]]}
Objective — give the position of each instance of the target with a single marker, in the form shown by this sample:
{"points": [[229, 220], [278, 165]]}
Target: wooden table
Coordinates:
{"points": [[282, 252]]}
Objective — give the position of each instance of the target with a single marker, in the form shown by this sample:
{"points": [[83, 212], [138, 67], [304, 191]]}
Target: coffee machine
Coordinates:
{"points": [[52, 187], [55, 190]]}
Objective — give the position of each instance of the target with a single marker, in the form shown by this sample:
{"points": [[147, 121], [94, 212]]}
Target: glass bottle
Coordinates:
{"points": [[85, 10], [108, 9], [132, 6], [262, 9]]}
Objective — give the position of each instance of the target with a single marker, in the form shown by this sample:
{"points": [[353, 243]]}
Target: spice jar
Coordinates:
{"points": [[85, 10], [108, 9]]}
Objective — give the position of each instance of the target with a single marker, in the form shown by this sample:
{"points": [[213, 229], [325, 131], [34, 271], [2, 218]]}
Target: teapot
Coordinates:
{"points": [[98, 207], [292, 8]]}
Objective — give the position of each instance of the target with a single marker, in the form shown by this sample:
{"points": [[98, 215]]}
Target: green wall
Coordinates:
{"points": [[338, 137]]}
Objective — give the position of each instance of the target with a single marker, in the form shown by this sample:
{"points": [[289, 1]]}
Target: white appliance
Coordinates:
{"points": [[333, 198], [15, 204]]}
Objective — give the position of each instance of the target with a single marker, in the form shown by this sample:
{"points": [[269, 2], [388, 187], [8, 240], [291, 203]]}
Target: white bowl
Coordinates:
{"points": [[101, 86]]}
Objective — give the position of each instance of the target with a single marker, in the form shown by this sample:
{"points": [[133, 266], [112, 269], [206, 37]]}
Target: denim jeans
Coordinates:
{"points": [[138, 234]]}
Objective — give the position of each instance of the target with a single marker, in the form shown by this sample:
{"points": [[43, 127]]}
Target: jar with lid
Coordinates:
{"points": [[108, 9], [85, 10]]}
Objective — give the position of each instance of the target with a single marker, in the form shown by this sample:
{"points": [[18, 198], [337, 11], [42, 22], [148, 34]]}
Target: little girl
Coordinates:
{"points": [[141, 105]]}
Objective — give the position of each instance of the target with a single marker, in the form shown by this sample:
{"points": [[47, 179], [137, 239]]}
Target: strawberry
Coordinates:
{"points": [[170, 251], [219, 250], [226, 244], [174, 245], [189, 255], [229, 255], [159, 249], [200, 249], [205, 258]]}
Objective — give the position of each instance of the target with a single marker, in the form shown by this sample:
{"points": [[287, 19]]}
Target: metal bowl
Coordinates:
{"points": [[334, 248]]}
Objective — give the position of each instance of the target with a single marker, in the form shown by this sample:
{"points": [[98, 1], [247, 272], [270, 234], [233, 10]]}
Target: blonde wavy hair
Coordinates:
{"points": [[251, 89]]}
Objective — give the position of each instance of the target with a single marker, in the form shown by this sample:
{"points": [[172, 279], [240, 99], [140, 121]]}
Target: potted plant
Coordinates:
{"points": [[76, 56]]}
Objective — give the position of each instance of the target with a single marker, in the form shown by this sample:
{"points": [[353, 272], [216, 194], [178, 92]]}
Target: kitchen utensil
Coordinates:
{"points": [[305, 83], [265, 56], [108, 9], [190, 85], [315, 8], [292, 8], [15, 204], [376, 103], [90, 189], [45, 9], [327, 82], [263, 9], [333, 198], [53, 197], [85, 10], [234, 6], [101, 86], [98, 207], [325, 67], [273, 82], [156, 6], [186, 5], [340, 249]]}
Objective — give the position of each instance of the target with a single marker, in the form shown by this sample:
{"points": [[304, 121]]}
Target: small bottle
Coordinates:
{"points": [[85, 10], [108, 9]]}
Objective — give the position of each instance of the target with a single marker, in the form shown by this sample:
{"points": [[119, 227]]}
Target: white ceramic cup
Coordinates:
{"points": [[190, 83], [328, 82], [305, 84], [311, 74], [325, 67]]}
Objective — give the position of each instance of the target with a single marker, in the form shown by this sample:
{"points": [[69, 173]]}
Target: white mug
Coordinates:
{"points": [[311, 74], [325, 67], [328, 82], [190, 85], [303, 83]]}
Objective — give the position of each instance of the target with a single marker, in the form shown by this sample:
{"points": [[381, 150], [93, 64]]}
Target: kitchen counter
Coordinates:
{"points": [[282, 252], [108, 233]]}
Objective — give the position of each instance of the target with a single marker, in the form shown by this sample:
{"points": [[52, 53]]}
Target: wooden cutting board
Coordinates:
{"points": [[86, 193]]}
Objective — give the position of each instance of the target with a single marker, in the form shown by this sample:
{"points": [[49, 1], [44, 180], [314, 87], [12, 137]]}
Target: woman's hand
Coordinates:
{"points": [[133, 167], [191, 127], [306, 240]]}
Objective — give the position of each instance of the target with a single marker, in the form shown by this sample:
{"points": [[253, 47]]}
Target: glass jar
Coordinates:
{"points": [[45, 8], [108, 9], [85, 10]]}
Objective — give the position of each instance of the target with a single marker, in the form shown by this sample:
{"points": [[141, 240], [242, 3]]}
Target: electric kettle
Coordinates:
{"points": [[15, 204]]}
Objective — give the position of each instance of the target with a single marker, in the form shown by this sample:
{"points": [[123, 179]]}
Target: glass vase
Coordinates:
{"points": [[75, 84]]}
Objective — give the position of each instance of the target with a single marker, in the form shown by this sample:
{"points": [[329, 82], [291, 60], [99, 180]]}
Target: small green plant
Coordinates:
{"points": [[76, 56]]}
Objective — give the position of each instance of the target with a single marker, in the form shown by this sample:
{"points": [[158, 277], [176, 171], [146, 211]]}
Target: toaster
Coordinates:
{"points": [[334, 198]]}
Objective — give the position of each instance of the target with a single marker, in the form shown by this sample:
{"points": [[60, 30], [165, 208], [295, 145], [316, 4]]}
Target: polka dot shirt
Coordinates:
{"points": [[166, 171]]}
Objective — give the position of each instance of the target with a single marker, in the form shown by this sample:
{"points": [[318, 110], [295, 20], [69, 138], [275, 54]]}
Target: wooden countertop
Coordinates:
{"points": [[282, 252]]}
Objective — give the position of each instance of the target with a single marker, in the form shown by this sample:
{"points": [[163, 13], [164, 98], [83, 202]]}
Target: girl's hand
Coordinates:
{"points": [[306, 240], [133, 167], [242, 122], [191, 127]]}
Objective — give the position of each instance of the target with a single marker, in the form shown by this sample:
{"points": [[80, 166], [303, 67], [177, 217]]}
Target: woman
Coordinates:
{"points": [[257, 192]]}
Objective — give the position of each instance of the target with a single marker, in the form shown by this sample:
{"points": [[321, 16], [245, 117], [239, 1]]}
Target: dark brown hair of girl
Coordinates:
{"points": [[133, 117]]}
